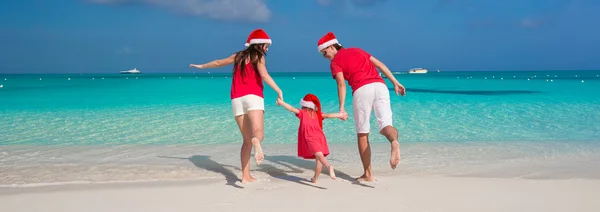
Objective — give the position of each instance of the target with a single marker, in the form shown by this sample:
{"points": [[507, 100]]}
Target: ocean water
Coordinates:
{"points": [[79, 127]]}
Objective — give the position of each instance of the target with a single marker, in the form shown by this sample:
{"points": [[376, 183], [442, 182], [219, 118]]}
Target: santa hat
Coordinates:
{"points": [[311, 101], [258, 36], [327, 40]]}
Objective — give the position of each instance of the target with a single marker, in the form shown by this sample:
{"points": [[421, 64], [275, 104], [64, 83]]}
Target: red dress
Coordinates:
{"points": [[311, 138]]}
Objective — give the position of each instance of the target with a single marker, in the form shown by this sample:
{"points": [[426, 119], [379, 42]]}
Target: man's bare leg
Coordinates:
{"points": [[364, 149], [392, 135]]}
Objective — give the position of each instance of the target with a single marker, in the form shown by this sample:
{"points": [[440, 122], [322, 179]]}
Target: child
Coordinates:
{"points": [[311, 139]]}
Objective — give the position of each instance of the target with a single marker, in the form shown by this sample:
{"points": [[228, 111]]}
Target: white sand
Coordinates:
{"points": [[289, 193]]}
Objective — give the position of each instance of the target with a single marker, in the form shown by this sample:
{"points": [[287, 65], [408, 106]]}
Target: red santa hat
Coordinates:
{"points": [[258, 36], [311, 101], [327, 40]]}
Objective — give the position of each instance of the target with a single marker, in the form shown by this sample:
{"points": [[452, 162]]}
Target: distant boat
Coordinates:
{"points": [[417, 71], [133, 71]]}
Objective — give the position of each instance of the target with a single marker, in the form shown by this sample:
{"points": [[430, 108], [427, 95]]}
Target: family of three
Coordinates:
{"points": [[369, 93]]}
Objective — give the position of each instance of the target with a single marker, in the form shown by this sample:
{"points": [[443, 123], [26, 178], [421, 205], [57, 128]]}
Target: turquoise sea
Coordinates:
{"points": [[112, 120]]}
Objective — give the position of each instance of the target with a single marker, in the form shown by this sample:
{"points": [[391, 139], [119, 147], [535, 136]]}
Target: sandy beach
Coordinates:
{"points": [[431, 193], [432, 177]]}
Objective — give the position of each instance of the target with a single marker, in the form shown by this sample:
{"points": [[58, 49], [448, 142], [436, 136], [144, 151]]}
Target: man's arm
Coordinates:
{"points": [[341, 86], [383, 68]]}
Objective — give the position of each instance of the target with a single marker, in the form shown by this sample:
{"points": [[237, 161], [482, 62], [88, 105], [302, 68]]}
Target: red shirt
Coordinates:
{"points": [[356, 66], [249, 83]]}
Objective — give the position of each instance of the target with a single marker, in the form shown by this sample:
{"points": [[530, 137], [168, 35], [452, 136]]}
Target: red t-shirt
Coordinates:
{"points": [[249, 83], [356, 66]]}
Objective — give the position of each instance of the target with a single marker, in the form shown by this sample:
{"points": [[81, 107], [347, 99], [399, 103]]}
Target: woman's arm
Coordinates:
{"points": [[216, 63], [287, 106], [262, 70]]}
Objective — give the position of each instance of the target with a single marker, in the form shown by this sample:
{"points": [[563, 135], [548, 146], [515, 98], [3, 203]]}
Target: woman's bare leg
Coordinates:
{"points": [[246, 130], [257, 121]]}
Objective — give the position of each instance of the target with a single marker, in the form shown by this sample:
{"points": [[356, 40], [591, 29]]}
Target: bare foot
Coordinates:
{"points": [[331, 172], [395, 156], [365, 178], [313, 180], [258, 153], [248, 179]]}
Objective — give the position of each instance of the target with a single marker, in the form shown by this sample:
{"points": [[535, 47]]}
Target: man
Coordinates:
{"points": [[369, 92]]}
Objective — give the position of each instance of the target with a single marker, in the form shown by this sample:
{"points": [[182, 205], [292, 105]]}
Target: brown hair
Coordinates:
{"points": [[253, 54], [337, 46]]}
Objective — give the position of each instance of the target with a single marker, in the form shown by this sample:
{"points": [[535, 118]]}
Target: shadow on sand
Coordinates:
{"points": [[204, 162], [282, 175], [288, 161]]}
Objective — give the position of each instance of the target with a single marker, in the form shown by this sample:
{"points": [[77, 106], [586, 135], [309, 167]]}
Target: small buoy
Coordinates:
{"points": [[179, 77], [293, 77], [1, 86], [209, 72], [514, 76], [136, 78], [212, 77], [93, 78], [457, 77], [163, 77], [127, 78], [581, 80], [68, 78], [40, 78], [555, 76], [576, 76], [502, 78], [546, 80], [102, 77], [528, 79], [494, 77], [534, 75], [485, 77], [196, 77], [551, 80]]}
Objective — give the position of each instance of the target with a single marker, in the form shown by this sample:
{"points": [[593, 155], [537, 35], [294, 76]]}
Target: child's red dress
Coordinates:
{"points": [[311, 138]]}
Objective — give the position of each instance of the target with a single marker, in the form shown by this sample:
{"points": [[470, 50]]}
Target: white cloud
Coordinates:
{"points": [[228, 10]]}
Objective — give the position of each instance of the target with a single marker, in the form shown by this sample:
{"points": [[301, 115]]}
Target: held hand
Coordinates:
{"points": [[279, 102], [343, 115], [399, 89]]}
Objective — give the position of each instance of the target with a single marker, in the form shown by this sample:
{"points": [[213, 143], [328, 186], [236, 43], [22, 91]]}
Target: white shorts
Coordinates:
{"points": [[242, 105], [373, 96]]}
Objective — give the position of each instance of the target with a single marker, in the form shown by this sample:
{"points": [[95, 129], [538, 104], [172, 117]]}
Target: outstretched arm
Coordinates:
{"points": [[383, 68], [287, 106], [262, 70], [334, 115], [215, 63]]}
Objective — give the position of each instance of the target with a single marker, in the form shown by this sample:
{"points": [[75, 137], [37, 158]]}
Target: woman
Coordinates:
{"points": [[247, 99]]}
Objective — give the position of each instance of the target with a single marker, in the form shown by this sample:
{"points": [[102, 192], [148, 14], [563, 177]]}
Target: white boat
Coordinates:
{"points": [[417, 71], [132, 71]]}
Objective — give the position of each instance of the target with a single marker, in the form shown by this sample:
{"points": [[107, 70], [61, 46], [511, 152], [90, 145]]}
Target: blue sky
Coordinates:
{"points": [[106, 36]]}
